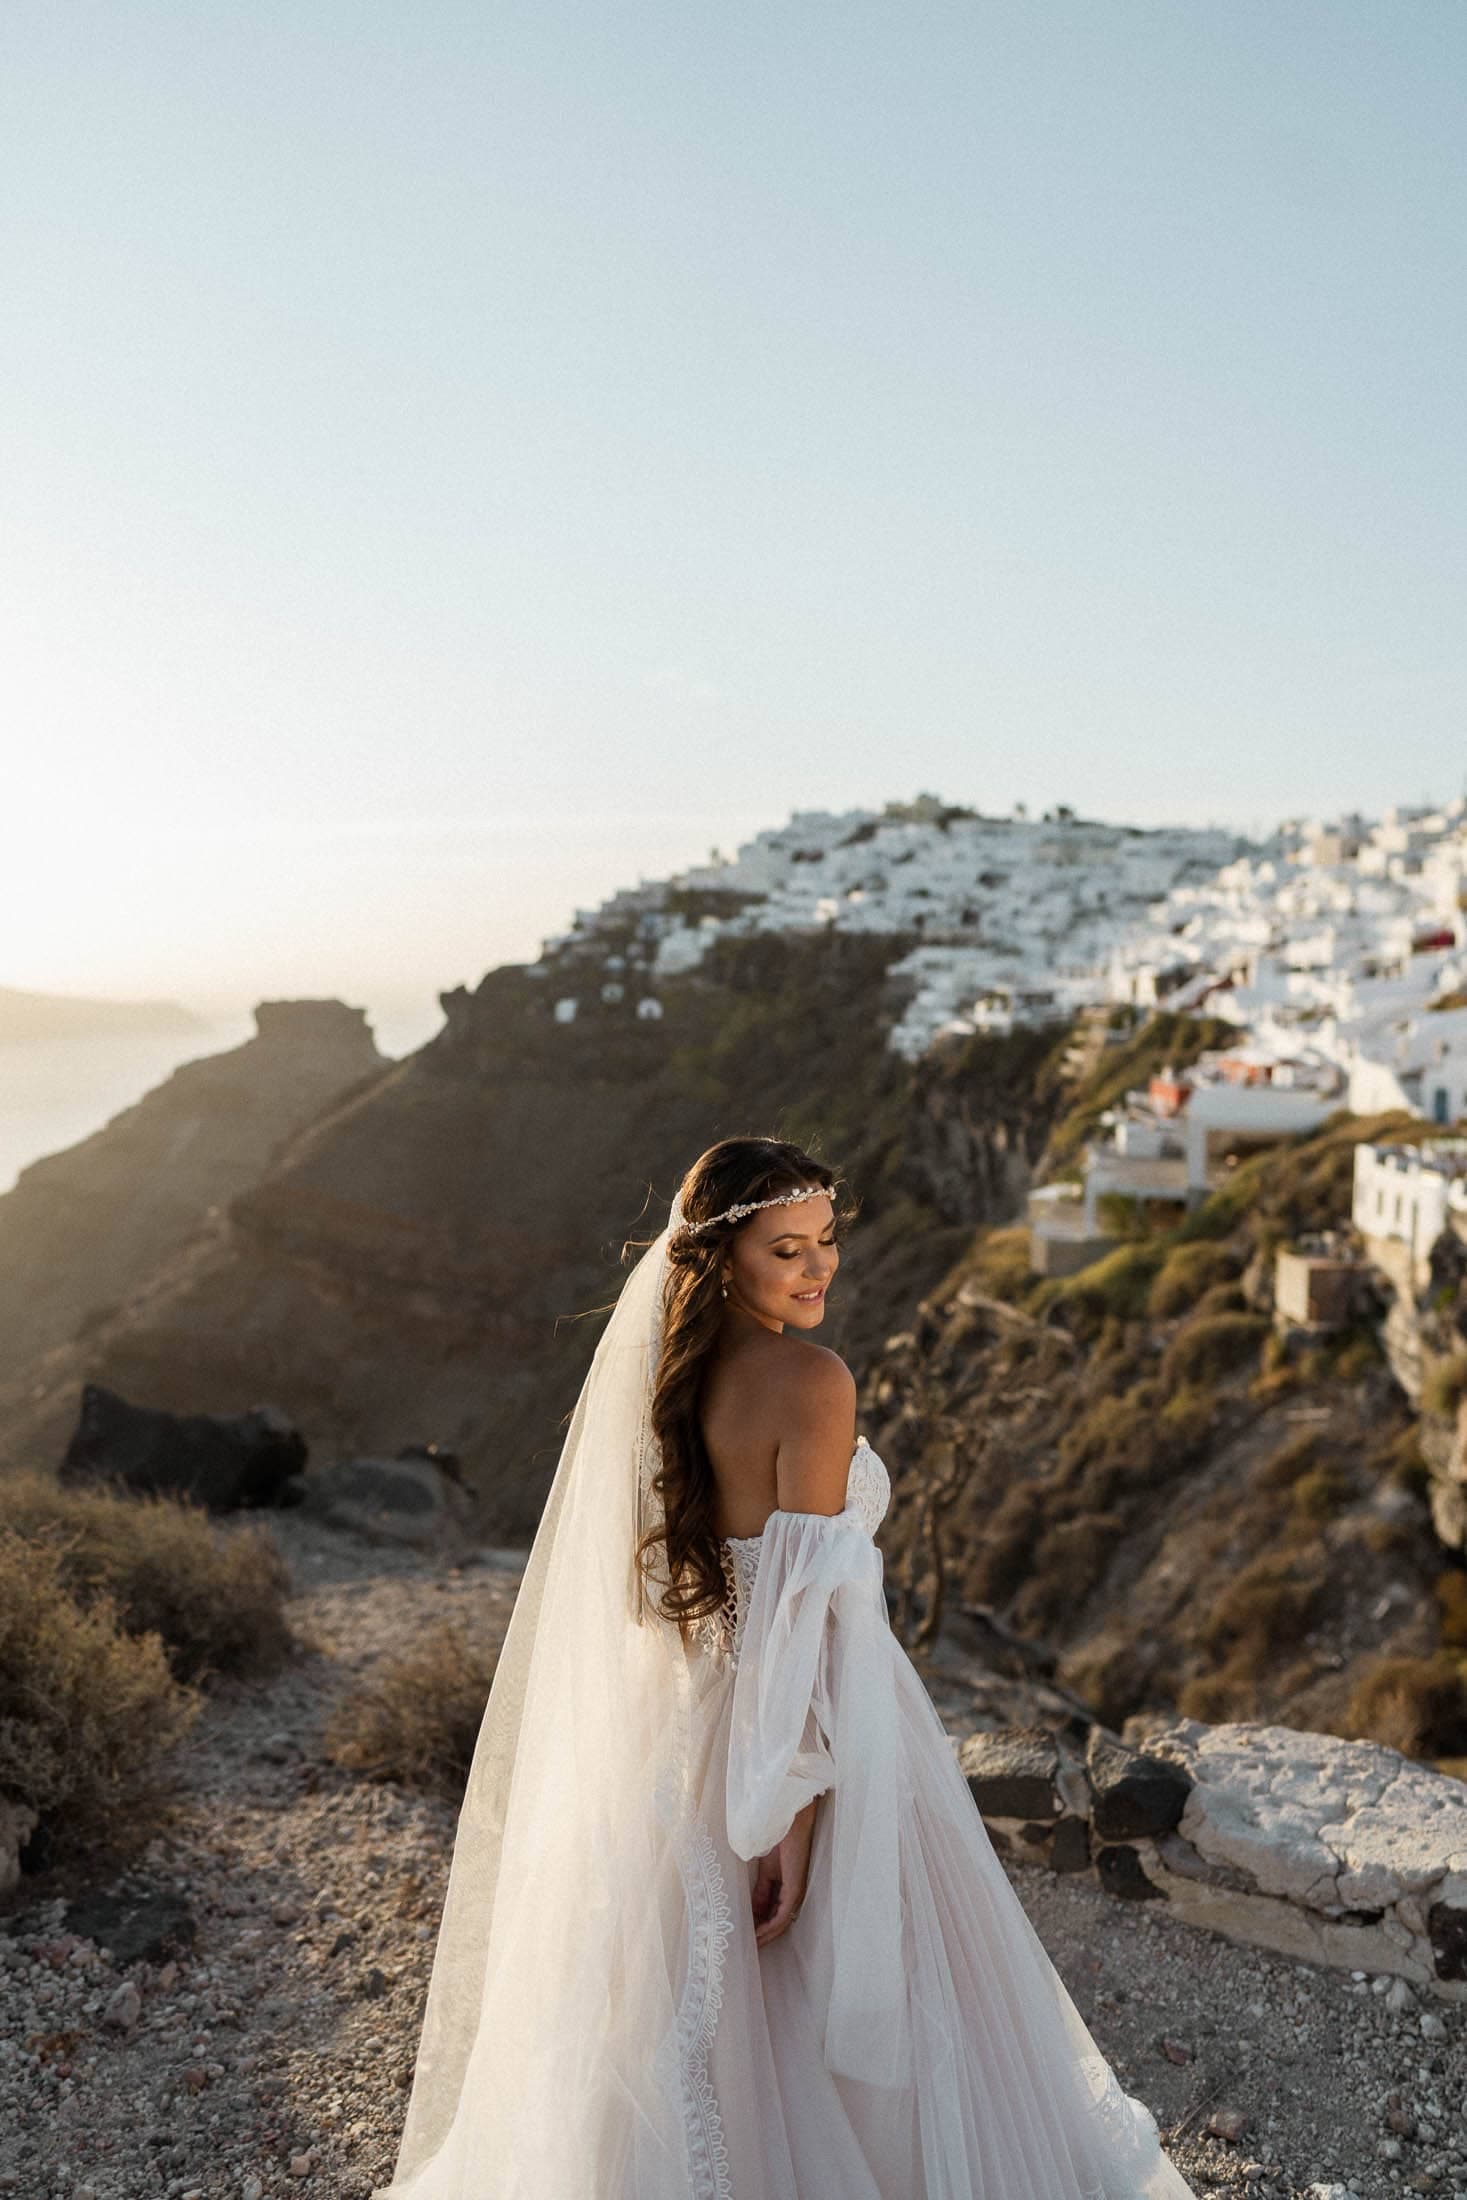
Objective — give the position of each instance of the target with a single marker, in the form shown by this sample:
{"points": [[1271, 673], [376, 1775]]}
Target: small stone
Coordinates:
{"points": [[284, 1913], [1389, 2150], [300, 2165], [252, 2189], [1432, 2027], [374, 1984], [124, 2007], [1399, 1996], [1227, 2123], [1175, 2051]]}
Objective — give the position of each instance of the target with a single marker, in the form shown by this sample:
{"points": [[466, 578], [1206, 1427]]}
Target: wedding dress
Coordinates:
{"points": [[601, 2024]]}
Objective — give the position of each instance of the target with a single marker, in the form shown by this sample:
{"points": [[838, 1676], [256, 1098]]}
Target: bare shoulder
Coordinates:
{"points": [[816, 1411]]}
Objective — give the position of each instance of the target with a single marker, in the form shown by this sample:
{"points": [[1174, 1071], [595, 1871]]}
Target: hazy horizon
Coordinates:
{"points": [[460, 463]]}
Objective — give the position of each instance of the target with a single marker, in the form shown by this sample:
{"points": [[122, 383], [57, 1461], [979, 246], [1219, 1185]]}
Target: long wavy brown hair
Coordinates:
{"points": [[685, 1547]]}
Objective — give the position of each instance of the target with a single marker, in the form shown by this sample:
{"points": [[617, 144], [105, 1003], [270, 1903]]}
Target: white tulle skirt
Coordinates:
{"points": [[1008, 2096]]}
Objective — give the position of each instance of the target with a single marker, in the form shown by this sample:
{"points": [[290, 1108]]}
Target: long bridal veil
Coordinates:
{"points": [[563, 2007]]}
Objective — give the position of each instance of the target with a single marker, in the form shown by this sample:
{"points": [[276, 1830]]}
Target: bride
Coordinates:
{"points": [[723, 1921]]}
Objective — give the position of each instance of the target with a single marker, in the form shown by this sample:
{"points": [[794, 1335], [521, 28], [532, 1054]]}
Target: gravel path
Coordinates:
{"points": [[266, 2046]]}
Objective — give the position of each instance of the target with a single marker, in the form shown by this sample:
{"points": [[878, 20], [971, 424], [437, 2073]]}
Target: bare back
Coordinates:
{"points": [[778, 1419]]}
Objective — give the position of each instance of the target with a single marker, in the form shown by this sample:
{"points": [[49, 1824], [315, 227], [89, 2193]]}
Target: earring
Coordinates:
{"points": [[723, 1290]]}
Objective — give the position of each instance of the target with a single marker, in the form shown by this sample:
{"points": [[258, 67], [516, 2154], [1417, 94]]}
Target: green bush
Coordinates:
{"points": [[89, 1714], [1120, 1284], [414, 1717], [214, 1593], [1211, 1346], [1188, 1271]]}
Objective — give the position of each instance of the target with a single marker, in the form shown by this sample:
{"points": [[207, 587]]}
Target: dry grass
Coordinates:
{"points": [[89, 1714], [414, 1718], [999, 1263], [1444, 1385], [1416, 1705], [1451, 1597], [215, 1594], [1187, 1272], [1211, 1346]]}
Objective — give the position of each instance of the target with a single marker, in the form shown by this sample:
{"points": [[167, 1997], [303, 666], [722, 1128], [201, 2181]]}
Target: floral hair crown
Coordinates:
{"points": [[735, 1214]]}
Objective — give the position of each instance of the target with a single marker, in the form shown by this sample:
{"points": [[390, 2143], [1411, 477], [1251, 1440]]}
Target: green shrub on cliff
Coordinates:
{"points": [[1187, 1272], [1212, 1345]]}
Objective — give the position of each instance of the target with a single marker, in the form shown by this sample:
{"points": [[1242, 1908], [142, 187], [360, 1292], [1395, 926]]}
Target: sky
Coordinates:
{"points": [[462, 459]]}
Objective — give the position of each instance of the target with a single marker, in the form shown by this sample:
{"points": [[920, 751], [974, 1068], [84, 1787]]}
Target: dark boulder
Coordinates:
{"points": [[1132, 1794], [1013, 1772], [223, 1461]]}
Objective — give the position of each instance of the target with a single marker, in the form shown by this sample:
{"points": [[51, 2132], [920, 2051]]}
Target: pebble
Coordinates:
{"points": [[287, 2035]]}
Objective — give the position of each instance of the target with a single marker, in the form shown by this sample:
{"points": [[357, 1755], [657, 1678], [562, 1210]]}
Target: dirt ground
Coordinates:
{"points": [[265, 2045]]}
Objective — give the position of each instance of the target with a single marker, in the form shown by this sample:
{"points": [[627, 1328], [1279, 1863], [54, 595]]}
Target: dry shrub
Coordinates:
{"points": [[1416, 1705], [1451, 1597], [1283, 1468], [1322, 1491], [215, 1594], [1070, 1562], [414, 1717], [1404, 1465], [1391, 1538], [1187, 1418], [1114, 1679], [1217, 1697], [1353, 1353], [1212, 1346], [1265, 1608], [1444, 1385], [1187, 1272], [999, 1264], [1004, 1557], [89, 1715]]}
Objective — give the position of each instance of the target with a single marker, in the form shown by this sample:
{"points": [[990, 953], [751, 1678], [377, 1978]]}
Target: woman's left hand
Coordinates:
{"points": [[779, 1885]]}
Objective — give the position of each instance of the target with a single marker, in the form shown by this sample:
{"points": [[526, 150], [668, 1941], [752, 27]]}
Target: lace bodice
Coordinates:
{"points": [[868, 1493]]}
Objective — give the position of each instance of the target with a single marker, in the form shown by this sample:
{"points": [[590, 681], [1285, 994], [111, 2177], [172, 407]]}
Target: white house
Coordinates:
{"points": [[1408, 1195]]}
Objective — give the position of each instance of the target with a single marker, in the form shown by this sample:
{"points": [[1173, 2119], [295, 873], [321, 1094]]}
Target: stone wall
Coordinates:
{"points": [[1337, 1852]]}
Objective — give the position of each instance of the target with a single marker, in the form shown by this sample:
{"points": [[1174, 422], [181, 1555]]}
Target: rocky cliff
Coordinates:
{"points": [[1194, 1511], [83, 1231], [424, 1258]]}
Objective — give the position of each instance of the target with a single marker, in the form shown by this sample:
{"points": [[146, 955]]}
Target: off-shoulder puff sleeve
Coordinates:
{"points": [[815, 1710]]}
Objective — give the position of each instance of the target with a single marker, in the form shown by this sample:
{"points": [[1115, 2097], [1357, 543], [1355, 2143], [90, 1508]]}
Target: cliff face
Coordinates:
{"points": [[82, 1230], [1195, 1513], [424, 1260]]}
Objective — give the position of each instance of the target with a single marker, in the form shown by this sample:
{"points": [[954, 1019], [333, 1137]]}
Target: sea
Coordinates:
{"points": [[54, 1092]]}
